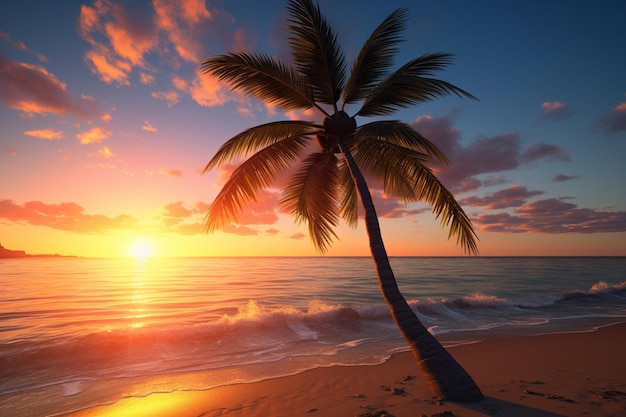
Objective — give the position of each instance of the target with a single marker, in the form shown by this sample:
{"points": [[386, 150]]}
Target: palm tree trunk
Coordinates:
{"points": [[446, 379]]}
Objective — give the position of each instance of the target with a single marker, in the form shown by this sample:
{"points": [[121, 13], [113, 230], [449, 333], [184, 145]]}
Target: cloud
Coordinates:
{"points": [[122, 36], [104, 152], [297, 236], [148, 127], [170, 97], [392, 208], [94, 135], [9, 150], [484, 155], [45, 134], [615, 121], [147, 79], [514, 196], [208, 91], [552, 216], [119, 39], [22, 47], [545, 151], [239, 230], [31, 89], [171, 172], [180, 22], [67, 216], [555, 110], [263, 211], [563, 178]]}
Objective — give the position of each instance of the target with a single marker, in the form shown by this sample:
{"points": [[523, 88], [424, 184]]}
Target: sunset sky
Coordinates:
{"points": [[106, 123]]}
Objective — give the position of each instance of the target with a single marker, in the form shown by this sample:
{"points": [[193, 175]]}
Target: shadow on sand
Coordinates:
{"points": [[496, 407]]}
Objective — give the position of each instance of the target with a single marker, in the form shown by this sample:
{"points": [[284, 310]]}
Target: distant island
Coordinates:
{"points": [[8, 253]]}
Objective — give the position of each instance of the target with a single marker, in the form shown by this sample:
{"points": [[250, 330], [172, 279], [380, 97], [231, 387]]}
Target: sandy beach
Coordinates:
{"points": [[574, 374]]}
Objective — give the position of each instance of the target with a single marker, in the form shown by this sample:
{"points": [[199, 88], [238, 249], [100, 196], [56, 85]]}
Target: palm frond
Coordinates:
{"points": [[410, 85], [445, 207], [348, 196], [405, 175], [258, 137], [375, 58], [392, 164], [311, 197], [254, 174], [263, 77], [400, 133], [316, 51]]}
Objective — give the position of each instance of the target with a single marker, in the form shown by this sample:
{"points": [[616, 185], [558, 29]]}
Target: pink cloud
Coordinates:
{"points": [[22, 47], [31, 89], [555, 110], [263, 211], [553, 216], [147, 126], [484, 155], [171, 172], [67, 216], [545, 151], [514, 196], [615, 121], [297, 236]]}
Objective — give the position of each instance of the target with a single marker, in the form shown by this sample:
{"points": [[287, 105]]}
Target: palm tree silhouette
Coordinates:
{"points": [[329, 180]]}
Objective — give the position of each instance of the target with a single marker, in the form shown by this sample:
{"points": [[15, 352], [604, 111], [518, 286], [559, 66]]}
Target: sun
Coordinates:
{"points": [[141, 249]]}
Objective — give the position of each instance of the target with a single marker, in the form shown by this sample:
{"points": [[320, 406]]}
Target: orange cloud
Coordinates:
{"points": [[170, 97], [108, 68], [95, 135], [46, 134], [31, 89], [104, 152], [207, 91], [128, 38], [179, 21], [67, 216], [146, 78], [555, 110]]}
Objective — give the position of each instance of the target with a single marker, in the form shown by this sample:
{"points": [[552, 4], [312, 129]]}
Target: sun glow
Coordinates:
{"points": [[141, 249]]}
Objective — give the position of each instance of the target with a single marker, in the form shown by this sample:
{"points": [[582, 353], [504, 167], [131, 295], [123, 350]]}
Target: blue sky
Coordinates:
{"points": [[106, 123]]}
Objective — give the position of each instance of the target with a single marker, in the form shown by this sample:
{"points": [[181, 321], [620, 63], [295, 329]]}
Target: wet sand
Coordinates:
{"points": [[575, 374]]}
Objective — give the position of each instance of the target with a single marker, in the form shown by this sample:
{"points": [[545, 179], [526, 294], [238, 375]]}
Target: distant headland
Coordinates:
{"points": [[8, 253]]}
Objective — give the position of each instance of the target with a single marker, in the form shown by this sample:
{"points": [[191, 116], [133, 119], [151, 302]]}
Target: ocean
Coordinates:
{"points": [[78, 332]]}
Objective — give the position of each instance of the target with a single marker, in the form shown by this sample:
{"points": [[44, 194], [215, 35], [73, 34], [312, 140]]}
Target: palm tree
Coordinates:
{"points": [[328, 179]]}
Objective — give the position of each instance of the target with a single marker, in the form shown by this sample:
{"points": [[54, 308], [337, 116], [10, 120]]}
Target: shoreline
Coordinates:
{"points": [[550, 375]]}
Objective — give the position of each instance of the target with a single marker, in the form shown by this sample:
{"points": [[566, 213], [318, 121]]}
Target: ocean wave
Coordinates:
{"points": [[263, 333]]}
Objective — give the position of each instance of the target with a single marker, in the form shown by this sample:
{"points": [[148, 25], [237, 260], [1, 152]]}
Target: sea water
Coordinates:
{"points": [[77, 332]]}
